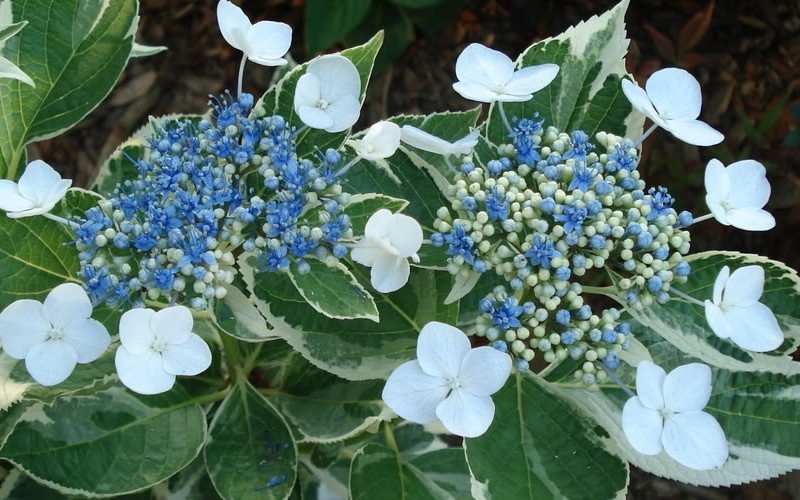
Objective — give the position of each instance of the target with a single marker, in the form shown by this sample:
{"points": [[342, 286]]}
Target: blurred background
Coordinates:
{"points": [[745, 53]]}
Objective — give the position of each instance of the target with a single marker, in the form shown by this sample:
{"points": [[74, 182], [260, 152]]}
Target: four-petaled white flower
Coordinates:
{"points": [[157, 346], [735, 312], [52, 337], [486, 75], [420, 139], [667, 414], [38, 191], [7, 68], [328, 95], [389, 240], [672, 99], [380, 142], [449, 380], [736, 194], [265, 42]]}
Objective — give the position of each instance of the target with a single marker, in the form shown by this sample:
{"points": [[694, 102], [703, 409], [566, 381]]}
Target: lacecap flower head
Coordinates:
{"points": [[328, 95], [36, 193], [448, 381], [265, 42], [736, 194]]}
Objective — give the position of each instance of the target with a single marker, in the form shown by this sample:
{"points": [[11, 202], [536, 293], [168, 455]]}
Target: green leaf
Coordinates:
{"points": [[279, 99], [549, 448], [354, 349], [685, 325], [587, 93], [250, 452], [448, 469], [192, 483], [326, 24], [238, 317], [323, 407], [74, 62], [398, 479], [415, 4], [334, 291], [121, 441], [759, 412], [397, 26]]}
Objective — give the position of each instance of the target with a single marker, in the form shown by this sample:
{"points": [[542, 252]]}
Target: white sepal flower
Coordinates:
{"points": [[735, 312], [327, 95], [448, 381], [667, 414], [55, 335], [157, 346], [389, 240], [380, 142], [36, 193], [486, 75], [736, 194], [420, 139], [672, 99], [265, 42], [7, 68]]}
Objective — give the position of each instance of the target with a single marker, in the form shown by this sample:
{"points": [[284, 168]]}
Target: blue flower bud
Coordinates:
{"points": [[682, 269]]}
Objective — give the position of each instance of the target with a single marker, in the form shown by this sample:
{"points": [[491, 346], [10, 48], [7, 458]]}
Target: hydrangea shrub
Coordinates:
{"points": [[257, 301]]}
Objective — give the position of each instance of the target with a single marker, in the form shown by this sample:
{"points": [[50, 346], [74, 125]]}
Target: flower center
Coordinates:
{"points": [[55, 334], [322, 104], [370, 148], [499, 89], [158, 346], [726, 204], [453, 383]]}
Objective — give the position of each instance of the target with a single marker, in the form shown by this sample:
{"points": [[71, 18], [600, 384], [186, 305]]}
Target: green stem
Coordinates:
{"points": [[250, 362], [12, 167], [208, 398], [388, 434], [233, 357], [600, 290]]}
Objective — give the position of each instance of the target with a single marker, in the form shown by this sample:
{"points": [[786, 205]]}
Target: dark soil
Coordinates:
{"points": [[747, 60]]}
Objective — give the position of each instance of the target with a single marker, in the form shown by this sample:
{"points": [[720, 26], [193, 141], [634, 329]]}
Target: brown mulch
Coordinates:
{"points": [[747, 60]]}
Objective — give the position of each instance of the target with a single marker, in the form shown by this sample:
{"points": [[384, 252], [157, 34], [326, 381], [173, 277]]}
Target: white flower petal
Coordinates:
{"points": [[484, 371], [752, 188], [484, 66], [750, 219], [405, 235], [315, 117], [268, 40], [142, 373], [639, 100], [306, 92], [754, 328], [717, 321], [379, 224], [465, 414], [268, 62], [527, 81], [675, 93], [475, 92], [366, 252], [466, 144], [694, 132], [56, 192], [381, 141], [88, 337], [190, 358], [344, 111], [338, 77], [650, 385], [389, 273], [718, 210], [687, 388], [134, 330], [413, 394], [720, 283], [22, 326], [420, 139], [66, 303], [745, 286], [10, 198], [696, 440], [642, 426], [11, 70], [717, 180], [441, 349], [233, 23], [51, 362], [37, 181], [173, 324]]}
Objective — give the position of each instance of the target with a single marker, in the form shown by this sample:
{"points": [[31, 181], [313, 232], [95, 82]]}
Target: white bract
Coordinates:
{"points": [[672, 99], [265, 42], [157, 346], [380, 142], [486, 75], [448, 381], [7, 68], [52, 337], [736, 194], [667, 414], [736, 313], [420, 139], [327, 95], [38, 191], [389, 240]]}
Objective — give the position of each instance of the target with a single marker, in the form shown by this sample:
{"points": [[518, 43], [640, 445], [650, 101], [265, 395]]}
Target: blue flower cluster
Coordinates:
{"points": [[205, 192], [550, 210]]}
